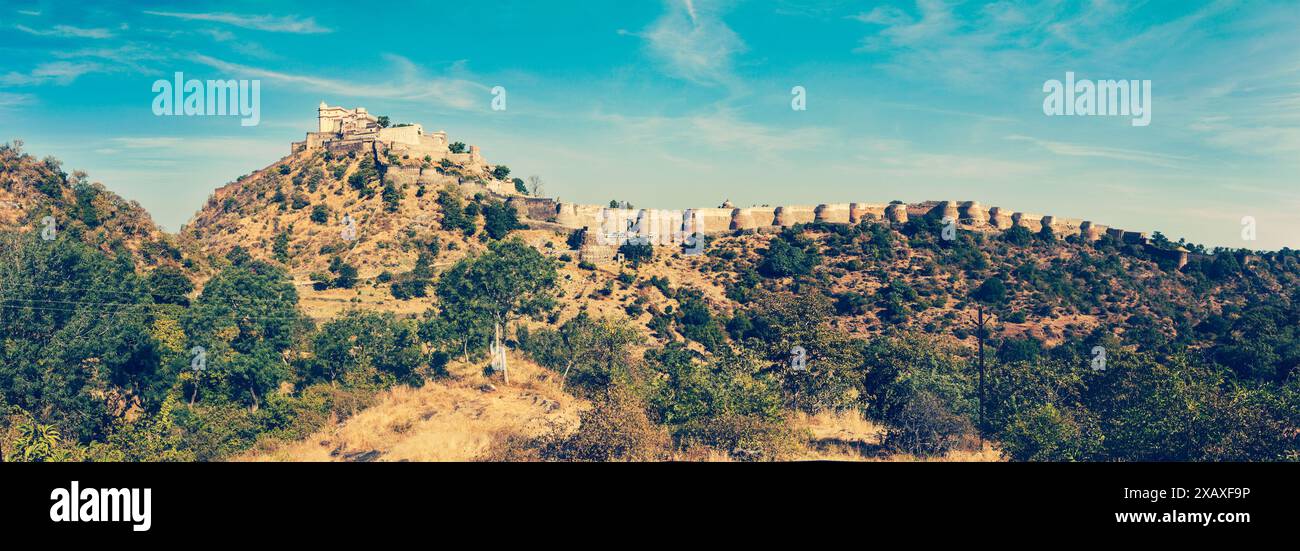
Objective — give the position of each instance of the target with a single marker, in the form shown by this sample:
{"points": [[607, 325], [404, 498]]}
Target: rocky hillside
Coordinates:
{"points": [[33, 189], [323, 216]]}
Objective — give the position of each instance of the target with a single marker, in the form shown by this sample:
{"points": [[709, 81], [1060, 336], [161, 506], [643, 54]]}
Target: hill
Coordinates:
{"points": [[374, 339], [296, 212], [33, 189]]}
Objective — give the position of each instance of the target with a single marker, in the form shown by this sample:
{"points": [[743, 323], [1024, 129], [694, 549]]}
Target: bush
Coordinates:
{"points": [[636, 253], [923, 427], [320, 214], [616, 428], [1018, 236], [169, 286], [1044, 434], [781, 259]]}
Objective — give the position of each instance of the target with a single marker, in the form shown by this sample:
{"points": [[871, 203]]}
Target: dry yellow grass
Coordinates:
{"points": [[453, 420], [847, 436]]}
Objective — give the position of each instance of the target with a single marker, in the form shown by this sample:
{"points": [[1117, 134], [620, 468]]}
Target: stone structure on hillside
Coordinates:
{"points": [[653, 224], [342, 130], [339, 127]]}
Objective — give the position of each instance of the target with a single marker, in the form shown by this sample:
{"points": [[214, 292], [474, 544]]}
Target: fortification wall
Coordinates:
{"points": [[798, 214], [999, 218], [972, 213], [405, 135], [536, 208], [400, 175], [711, 220], [753, 218], [859, 212], [897, 213], [578, 216], [837, 213], [1029, 221], [667, 226]]}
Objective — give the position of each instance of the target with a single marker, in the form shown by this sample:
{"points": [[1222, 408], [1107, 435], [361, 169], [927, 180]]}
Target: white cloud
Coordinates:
{"points": [[57, 72], [67, 31], [411, 84], [147, 142], [693, 43], [270, 23], [1078, 150], [899, 160], [718, 131], [10, 100]]}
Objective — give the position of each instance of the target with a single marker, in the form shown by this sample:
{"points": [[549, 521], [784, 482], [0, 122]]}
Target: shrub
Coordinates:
{"points": [[781, 259], [616, 428], [923, 427], [320, 214]]}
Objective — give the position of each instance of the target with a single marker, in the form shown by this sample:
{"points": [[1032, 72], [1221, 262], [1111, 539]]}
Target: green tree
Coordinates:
{"points": [[280, 247], [392, 197], [246, 319], [75, 339], [992, 293], [499, 219], [592, 354], [785, 259], [371, 347], [169, 285], [509, 280]]}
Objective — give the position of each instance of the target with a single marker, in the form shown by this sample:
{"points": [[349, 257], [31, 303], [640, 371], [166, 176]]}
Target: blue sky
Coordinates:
{"points": [[675, 104]]}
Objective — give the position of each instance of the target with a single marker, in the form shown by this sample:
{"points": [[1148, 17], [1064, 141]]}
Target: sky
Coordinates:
{"points": [[687, 103]]}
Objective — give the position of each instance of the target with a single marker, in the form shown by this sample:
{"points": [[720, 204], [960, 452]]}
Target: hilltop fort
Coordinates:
{"points": [[342, 130]]}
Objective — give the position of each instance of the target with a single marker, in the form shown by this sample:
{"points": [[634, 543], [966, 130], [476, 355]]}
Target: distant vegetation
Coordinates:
{"points": [[115, 345]]}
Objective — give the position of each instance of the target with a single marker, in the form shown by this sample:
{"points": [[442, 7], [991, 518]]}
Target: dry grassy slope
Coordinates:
{"points": [[119, 223], [449, 420], [461, 418], [246, 213]]}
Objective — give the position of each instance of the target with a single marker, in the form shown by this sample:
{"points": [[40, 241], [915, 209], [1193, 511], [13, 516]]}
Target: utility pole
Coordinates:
{"points": [[981, 388]]}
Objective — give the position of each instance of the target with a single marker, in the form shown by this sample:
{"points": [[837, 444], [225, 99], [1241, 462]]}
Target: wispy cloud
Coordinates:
{"points": [[55, 72], [9, 100], [977, 46], [722, 130], [692, 42], [67, 31], [1079, 150], [411, 84], [283, 24], [147, 142], [902, 161]]}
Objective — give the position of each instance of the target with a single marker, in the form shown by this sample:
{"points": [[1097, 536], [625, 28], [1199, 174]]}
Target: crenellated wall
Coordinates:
{"points": [[663, 226]]}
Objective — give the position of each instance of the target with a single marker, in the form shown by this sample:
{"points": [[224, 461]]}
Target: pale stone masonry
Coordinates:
{"points": [[340, 130]]}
